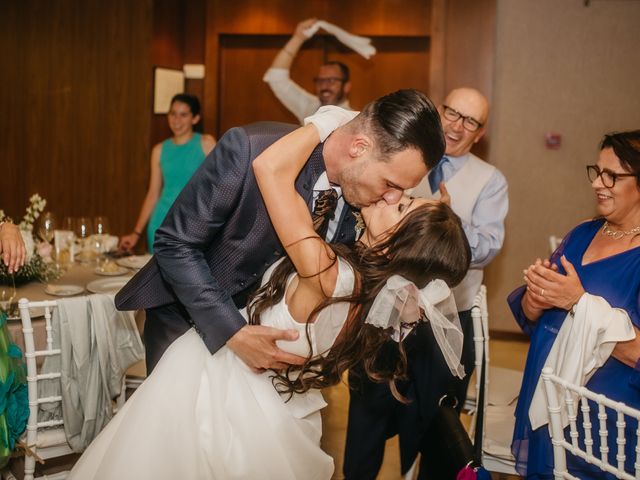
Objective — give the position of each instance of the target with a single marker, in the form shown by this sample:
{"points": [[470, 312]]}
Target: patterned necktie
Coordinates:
{"points": [[323, 210], [437, 175]]}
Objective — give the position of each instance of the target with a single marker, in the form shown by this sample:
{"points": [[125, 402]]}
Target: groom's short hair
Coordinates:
{"points": [[404, 119]]}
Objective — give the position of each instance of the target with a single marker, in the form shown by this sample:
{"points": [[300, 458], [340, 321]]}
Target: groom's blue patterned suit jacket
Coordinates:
{"points": [[217, 239]]}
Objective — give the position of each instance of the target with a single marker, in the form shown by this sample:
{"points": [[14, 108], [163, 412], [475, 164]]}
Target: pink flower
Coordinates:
{"points": [[44, 250]]}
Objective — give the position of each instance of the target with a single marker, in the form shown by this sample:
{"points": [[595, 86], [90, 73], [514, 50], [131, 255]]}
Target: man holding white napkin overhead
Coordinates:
{"points": [[332, 84]]}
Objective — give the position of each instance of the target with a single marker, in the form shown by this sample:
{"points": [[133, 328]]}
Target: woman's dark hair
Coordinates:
{"points": [[194, 105], [626, 146], [428, 243]]}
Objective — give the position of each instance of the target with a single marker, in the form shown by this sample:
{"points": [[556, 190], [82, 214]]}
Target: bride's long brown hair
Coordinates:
{"points": [[428, 243]]}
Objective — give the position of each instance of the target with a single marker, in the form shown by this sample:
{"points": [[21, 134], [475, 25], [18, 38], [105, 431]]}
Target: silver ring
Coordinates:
{"points": [[542, 292]]}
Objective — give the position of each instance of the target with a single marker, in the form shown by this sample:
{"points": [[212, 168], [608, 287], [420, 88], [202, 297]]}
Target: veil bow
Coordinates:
{"points": [[401, 305]]}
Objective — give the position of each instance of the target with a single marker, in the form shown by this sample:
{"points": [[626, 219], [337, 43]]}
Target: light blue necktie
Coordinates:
{"points": [[437, 175]]}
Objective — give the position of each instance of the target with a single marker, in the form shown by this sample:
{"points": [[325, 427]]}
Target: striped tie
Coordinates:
{"points": [[323, 210]]}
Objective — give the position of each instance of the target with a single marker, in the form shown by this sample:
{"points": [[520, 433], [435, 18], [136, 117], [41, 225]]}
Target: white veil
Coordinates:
{"points": [[401, 305]]}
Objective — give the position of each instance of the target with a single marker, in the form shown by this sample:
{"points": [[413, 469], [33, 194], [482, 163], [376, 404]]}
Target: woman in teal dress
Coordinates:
{"points": [[173, 162]]}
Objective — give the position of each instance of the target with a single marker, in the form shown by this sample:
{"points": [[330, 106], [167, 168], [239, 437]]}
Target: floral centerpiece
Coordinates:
{"points": [[38, 264]]}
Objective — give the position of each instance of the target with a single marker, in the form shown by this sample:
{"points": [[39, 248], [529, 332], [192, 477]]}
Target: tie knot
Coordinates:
{"points": [[323, 210]]}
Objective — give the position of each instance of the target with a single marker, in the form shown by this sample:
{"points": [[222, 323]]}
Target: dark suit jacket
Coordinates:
{"points": [[217, 239]]}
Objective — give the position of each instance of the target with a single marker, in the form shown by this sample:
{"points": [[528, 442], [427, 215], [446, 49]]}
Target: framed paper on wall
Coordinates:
{"points": [[167, 82]]}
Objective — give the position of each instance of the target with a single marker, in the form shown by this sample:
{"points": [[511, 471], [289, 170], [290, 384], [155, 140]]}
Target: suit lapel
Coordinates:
{"points": [[346, 230], [304, 185], [309, 175]]}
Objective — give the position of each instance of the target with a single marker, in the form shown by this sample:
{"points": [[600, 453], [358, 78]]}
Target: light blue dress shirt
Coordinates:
{"points": [[486, 230]]}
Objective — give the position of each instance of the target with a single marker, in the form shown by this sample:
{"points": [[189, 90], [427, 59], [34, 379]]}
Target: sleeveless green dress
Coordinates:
{"points": [[177, 163]]}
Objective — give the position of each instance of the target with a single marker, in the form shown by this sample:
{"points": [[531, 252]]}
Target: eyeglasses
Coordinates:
{"points": [[330, 81], [608, 177], [469, 123]]}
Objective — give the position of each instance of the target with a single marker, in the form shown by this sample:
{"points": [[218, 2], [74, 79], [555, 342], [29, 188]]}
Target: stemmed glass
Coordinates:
{"points": [[83, 230], [101, 228], [47, 225], [101, 225], [65, 241], [84, 227]]}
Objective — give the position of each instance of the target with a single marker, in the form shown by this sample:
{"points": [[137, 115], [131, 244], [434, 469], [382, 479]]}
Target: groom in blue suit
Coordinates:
{"points": [[217, 240]]}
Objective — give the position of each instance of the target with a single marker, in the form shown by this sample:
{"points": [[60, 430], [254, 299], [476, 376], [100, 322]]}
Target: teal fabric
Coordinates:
{"points": [[177, 163], [14, 402]]}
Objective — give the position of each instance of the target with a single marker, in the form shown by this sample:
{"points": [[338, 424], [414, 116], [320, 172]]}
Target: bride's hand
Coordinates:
{"points": [[256, 346], [329, 118]]}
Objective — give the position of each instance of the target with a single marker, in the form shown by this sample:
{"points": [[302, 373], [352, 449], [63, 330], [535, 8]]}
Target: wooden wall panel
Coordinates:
{"points": [[469, 42], [78, 89], [243, 61], [401, 62], [178, 38], [406, 19]]}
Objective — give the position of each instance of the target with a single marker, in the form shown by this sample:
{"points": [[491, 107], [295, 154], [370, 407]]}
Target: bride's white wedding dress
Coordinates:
{"points": [[203, 416]]}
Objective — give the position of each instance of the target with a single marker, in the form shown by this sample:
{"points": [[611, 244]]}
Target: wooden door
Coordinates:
{"points": [[401, 62]]}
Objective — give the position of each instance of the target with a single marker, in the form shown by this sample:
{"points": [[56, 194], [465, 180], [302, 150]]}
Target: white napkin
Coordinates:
{"points": [[585, 341], [361, 45]]}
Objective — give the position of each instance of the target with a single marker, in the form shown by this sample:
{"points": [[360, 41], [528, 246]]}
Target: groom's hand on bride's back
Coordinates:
{"points": [[256, 346]]}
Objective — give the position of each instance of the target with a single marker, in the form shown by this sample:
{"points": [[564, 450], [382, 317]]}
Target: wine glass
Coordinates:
{"points": [[84, 230], [101, 225], [47, 225], [84, 227], [101, 228], [65, 243]]}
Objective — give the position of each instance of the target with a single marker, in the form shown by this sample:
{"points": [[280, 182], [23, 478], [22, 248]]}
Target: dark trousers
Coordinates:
{"points": [[434, 463], [375, 415]]}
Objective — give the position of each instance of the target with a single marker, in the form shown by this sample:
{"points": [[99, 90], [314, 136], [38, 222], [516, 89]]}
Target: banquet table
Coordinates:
{"points": [[83, 276]]}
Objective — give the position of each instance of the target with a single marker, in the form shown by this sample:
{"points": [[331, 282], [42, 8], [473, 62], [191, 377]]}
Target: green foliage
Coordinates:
{"points": [[35, 269]]}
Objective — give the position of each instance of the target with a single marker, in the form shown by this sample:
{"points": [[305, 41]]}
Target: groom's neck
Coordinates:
{"points": [[335, 153]]}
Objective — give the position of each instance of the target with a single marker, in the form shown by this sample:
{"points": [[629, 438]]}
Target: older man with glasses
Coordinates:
{"points": [[332, 83], [477, 192]]}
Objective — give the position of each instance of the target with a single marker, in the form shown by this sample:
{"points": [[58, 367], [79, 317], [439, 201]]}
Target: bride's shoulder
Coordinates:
{"points": [[346, 278]]}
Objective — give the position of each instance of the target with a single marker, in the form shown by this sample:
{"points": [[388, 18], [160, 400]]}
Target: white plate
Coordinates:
{"points": [[135, 261], [119, 271], [107, 285], [63, 290]]}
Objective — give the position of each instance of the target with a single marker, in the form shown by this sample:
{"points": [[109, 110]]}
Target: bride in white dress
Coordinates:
{"points": [[203, 416]]}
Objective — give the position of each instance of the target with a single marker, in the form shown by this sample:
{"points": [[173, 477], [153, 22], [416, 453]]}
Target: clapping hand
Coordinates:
{"points": [[547, 288]]}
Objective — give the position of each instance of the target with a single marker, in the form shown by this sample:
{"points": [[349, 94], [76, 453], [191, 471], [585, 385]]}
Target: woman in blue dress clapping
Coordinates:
{"points": [[600, 257]]}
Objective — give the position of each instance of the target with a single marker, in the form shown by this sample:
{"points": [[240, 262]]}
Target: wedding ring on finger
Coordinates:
{"points": [[542, 292]]}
